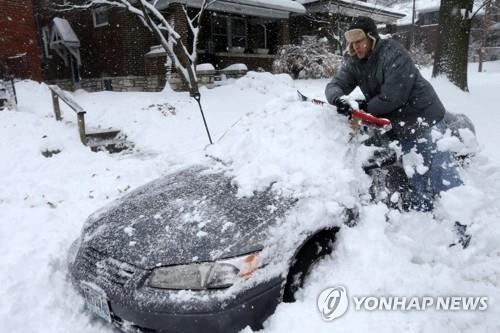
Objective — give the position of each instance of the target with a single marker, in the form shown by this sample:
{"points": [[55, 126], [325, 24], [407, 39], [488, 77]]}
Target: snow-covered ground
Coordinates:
{"points": [[258, 123]]}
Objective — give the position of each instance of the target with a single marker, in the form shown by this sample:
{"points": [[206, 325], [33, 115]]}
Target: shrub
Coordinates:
{"points": [[310, 60]]}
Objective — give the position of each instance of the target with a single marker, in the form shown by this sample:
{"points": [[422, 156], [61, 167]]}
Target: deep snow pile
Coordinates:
{"points": [[266, 135]]}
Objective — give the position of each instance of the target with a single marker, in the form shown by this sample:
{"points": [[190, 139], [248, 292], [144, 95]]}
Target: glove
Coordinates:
{"points": [[363, 105], [342, 106]]}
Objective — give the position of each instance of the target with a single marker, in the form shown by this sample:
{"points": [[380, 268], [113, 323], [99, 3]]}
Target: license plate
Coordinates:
{"points": [[96, 301]]}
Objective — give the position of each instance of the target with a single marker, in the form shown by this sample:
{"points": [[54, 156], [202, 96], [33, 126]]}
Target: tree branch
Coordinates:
{"points": [[485, 3]]}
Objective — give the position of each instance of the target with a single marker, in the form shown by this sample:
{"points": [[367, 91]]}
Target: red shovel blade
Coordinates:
{"points": [[370, 119]]}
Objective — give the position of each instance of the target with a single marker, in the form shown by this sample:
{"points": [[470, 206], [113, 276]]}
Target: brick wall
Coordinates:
{"points": [[136, 42], [19, 49], [116, 49], [178, 18]]}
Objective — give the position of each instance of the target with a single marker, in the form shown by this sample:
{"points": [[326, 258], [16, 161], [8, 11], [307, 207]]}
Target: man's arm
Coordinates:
{"points": [[400, 74], [343, 83]]}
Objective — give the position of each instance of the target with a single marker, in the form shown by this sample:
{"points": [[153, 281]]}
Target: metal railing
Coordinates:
{"points": [[8, 93]]}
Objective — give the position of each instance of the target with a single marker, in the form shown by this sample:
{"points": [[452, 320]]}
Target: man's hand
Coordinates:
{"points": [[342, 105], [363, 105]]}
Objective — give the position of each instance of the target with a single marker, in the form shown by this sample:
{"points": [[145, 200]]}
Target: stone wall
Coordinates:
{"points": [[118, 83], [253, 61]]}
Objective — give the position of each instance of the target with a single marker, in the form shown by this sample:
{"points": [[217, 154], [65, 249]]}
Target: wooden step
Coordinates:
{"points": [[102, 134], [115, 145]]}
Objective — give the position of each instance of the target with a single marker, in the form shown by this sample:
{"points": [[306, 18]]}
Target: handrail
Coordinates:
{"points": [[58, 93]]}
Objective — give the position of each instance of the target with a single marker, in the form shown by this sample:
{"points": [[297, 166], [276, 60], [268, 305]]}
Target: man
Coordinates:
{"points": [[395, 89]]}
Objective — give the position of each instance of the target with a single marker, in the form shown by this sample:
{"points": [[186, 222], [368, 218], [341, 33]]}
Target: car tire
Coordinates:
{"points": [[311, 253]]}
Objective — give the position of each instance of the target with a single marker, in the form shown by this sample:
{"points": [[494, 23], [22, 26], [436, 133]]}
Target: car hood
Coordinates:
{"points": [[193, 215]]}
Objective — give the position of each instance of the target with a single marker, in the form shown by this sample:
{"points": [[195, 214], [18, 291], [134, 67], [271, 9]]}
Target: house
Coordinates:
{"points": [[110, 48], [330, 18], [426, 30], [101, 48], [19, 48]]}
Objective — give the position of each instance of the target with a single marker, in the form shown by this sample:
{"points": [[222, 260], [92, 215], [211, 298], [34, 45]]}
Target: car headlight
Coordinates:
{"points": [[208, 275]]}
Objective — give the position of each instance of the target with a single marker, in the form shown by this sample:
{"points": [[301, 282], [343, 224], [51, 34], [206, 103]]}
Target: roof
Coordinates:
{"points": [[354, 8], [65, 32], [262, 8]]}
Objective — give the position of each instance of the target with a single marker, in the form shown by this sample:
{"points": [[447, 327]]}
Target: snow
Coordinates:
{"points": [[285, 5], [424, 6], [65, 30], [371, 4], [236, 67], [205, 67], [258, 124], [289, 5]]}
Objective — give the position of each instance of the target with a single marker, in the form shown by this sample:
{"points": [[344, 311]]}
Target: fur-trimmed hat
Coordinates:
{"points": [[361, 27]]}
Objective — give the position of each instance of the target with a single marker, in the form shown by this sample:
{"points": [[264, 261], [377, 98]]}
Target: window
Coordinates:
{"points": [[228, 31], [100, 17], [238, 32], [219, 32], [429, 18], [46, 42]]}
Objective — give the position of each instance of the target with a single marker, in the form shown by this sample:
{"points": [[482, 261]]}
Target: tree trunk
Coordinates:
{"points": [[454, 31]]}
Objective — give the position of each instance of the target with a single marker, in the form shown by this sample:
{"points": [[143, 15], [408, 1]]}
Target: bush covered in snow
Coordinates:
{"points": [[420, 57], [312, 59]]}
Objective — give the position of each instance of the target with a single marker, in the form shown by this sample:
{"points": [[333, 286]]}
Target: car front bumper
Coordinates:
{"points": [[248, 309], [136, 307]]}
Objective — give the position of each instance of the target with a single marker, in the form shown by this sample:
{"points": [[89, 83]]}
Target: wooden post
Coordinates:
{"points": [[55, 102], [81, 127]]}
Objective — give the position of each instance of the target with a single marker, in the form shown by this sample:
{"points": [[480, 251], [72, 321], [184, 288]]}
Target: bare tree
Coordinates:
{"points": [[328, 18], [451, 57], [182, 56]]}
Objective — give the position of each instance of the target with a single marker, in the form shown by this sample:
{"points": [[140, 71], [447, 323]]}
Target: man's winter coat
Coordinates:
{"points": [[393, 88]]}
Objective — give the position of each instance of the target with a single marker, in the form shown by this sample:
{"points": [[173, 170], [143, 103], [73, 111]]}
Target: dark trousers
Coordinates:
{"points": [[438, 171]]}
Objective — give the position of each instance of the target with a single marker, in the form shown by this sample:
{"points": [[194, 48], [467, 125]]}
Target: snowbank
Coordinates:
{"points": [[265, 135]]}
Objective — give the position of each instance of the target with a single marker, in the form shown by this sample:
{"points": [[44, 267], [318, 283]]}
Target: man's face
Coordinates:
{"points": [[362, 47]]}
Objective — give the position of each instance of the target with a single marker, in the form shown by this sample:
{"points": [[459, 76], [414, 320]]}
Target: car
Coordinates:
{"points": [[186, 253]]}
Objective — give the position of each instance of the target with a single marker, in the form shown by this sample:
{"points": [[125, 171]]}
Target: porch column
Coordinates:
{"points": [[283, 32]]}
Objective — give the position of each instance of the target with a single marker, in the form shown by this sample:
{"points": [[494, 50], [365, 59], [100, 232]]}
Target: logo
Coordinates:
{"points": [[333, 302]]}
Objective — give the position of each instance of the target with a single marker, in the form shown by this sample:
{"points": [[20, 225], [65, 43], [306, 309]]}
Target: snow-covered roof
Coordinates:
{"points": [[65, 32], [355, 8], [63, 38], [265, 8]]}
